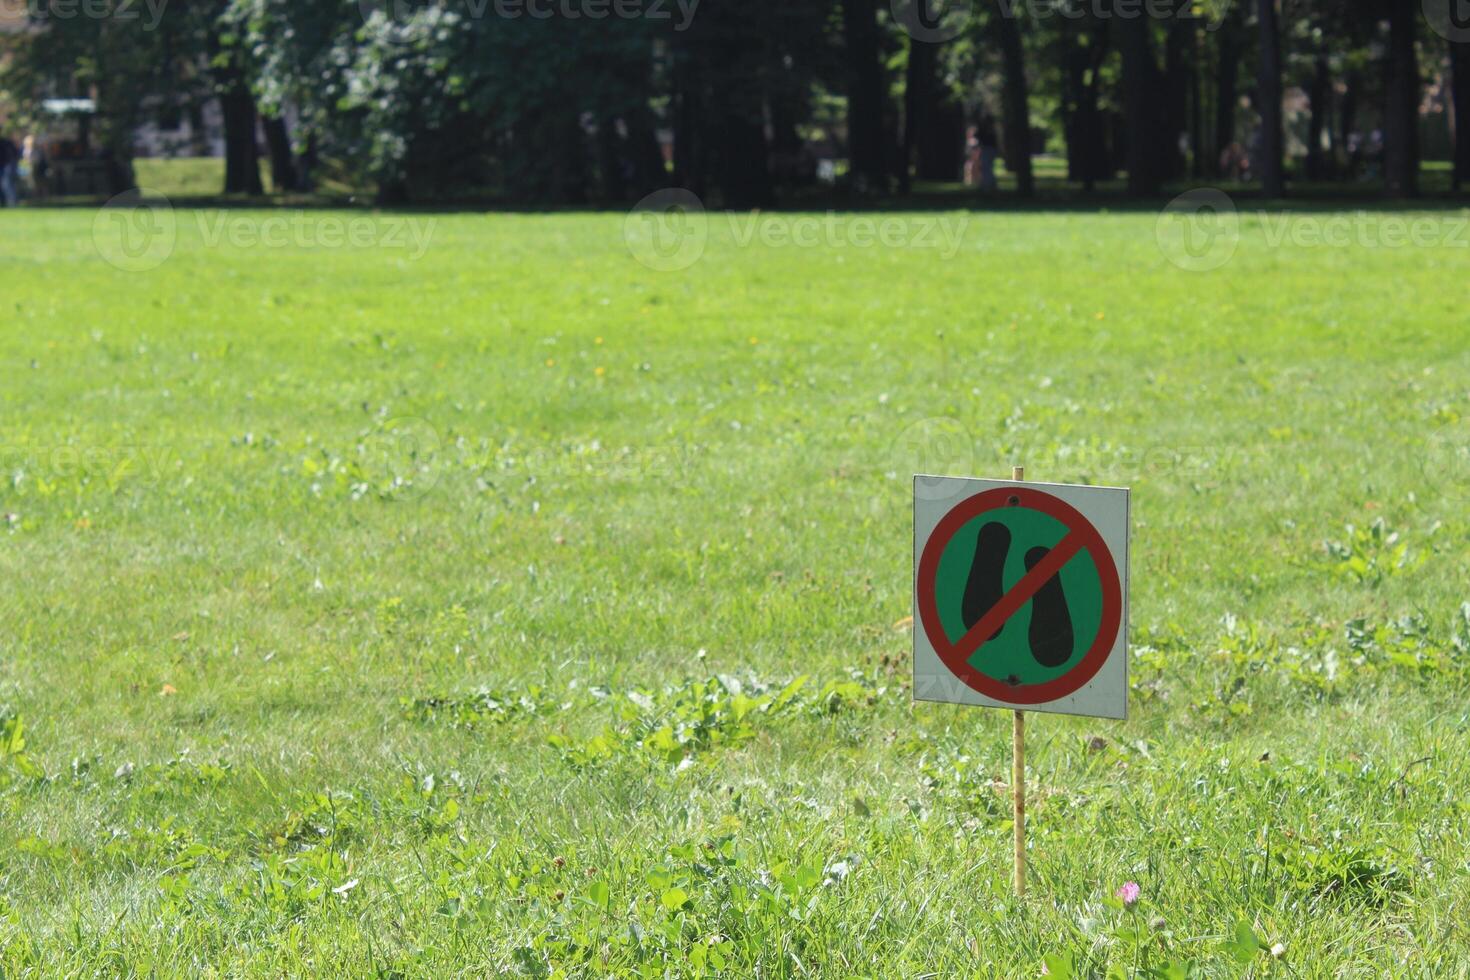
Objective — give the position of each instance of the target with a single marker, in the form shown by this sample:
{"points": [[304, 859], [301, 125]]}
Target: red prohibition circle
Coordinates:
{"points": [[1091, 541]]}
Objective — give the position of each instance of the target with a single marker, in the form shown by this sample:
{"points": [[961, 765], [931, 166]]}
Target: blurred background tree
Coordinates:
{"points": [[588, 101]]}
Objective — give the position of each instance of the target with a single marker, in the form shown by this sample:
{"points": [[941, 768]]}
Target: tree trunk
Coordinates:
{"points": [[744, 165], [1347, 116], [1087, 151], [392, 193], [1460, 96], [918, 98], [1401, 113], [1016, 103], [284, 176], [242, 154], [645, 153], [942, 141], [690, 151], [1226, 95], [892, 140], [549, 159], [1268, 86], [1177, 70], [307, 165], [198, 133], [1321, 85], [570, 158], [1140, 105], [610, 160], [1196, 109], [787, 156], [736, 153], [933, 137], [864, 95]]}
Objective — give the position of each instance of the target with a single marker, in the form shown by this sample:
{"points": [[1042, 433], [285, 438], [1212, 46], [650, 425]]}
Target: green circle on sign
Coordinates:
{"points": [[1008, 656]]}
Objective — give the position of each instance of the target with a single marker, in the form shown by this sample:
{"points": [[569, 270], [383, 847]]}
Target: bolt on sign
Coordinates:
{"points": [[1021, 595]]}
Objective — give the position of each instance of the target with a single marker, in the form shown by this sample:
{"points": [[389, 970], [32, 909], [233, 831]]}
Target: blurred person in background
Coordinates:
{"points": [[989, 146], [34, 165], [9, 172]]}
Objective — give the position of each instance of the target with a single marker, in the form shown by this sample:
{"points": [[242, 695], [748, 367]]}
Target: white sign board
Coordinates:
{"points": [[1021, 595]]}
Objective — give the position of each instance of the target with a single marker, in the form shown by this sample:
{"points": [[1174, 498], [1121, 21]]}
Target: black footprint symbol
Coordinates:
{"points": [[1051, 620], [985, 586]]}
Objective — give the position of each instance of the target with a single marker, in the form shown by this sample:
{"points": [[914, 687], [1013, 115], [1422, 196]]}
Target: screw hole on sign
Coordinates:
{"points": [[1014, 501]]}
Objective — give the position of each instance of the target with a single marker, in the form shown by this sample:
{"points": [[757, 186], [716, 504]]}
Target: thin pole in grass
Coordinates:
{"points": [[1018, 775], [1082, 673]]}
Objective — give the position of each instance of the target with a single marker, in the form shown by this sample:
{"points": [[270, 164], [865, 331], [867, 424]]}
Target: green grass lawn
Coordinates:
{"points": [[187, 177], [445, 610]]}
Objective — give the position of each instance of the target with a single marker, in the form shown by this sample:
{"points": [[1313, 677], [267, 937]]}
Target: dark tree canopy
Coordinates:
{"points": [[746, 104]]}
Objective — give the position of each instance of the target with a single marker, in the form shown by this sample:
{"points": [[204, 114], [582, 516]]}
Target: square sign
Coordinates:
{"points": [[1021, 595]]}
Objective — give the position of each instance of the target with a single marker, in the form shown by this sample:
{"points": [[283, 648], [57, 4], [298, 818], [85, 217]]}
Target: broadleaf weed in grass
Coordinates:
{"points": [[13, 748], [1322, 663], [165, 844], [289, 886], [179, 774], [968, 789], [328, 818], [1339, 867], [1370, 555], [478, 709], [678, 724]]}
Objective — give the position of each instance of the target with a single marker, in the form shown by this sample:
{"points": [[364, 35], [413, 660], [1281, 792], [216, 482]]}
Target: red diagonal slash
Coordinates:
{"points": [[1018, 596]]}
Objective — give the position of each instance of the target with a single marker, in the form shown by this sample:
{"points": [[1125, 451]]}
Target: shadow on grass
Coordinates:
{"points": [[1054, 195]]}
